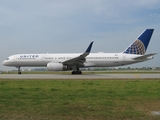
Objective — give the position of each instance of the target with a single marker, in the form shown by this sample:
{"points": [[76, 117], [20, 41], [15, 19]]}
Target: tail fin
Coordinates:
{"points": [[139, 46]]}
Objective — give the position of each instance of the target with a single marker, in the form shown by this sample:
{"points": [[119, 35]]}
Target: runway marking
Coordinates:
{"points": [[137, 76]]}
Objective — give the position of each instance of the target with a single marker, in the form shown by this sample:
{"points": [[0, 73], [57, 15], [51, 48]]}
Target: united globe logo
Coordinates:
{"points": [[136, 48]]}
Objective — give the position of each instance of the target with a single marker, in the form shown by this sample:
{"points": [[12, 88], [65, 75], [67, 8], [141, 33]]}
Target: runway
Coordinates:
{"points": [[90, 76]]}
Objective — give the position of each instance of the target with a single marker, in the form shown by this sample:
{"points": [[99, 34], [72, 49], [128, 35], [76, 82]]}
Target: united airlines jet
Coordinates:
{"points": [[60, 62]]}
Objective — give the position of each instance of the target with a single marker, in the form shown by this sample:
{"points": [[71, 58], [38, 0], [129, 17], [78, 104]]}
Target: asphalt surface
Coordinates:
{"points": [[90, 76]]}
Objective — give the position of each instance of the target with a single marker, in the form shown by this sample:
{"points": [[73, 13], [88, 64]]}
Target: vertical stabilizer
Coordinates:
{"points": [[139, 46]]}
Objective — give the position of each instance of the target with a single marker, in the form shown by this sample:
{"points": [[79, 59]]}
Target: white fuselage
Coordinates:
{"points": [[58, 62], [92, 60]]}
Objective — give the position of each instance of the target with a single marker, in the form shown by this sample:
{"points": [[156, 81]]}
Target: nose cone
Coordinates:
{"points": [[4, 63]]}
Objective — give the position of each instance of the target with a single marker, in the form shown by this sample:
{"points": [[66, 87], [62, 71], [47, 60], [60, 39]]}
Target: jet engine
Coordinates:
{"points": [[56, 66]]}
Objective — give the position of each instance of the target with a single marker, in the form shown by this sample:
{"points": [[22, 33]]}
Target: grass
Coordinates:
{"points": [[79, 99]]}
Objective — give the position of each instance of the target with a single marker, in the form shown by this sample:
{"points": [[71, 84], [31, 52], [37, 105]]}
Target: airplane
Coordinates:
{"points": [[74, 61]]}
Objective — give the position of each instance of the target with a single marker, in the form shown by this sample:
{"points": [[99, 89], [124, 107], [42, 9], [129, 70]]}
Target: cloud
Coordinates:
{"points": [[109, 11]]}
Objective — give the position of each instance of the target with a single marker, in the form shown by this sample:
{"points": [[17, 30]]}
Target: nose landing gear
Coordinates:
{"points": [[19, 70]]}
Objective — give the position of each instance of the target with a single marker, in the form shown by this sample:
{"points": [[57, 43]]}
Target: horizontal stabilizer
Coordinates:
{"points": [[145, 56]]}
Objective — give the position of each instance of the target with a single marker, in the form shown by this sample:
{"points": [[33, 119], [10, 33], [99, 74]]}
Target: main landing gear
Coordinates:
{"points": [[19, 70], [76, 71]]}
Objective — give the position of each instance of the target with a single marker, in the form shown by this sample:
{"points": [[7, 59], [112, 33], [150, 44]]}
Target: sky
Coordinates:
{"points": [[68, 26]]}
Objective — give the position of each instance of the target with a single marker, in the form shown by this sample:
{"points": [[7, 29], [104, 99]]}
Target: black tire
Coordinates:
{"points": [[76, 72]]}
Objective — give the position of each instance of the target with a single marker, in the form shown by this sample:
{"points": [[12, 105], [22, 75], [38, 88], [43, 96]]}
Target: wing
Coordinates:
{"points": [[80, 59], [145, 57]]}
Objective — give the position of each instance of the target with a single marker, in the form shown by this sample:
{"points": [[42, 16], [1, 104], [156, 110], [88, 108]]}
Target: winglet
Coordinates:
{"points": [[89, 47], [87, 51], [80, 59]]}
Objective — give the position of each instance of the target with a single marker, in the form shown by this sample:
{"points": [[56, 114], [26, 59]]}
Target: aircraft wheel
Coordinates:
{"points": [[19, 73], [76, 72], [80, 72], [72, 72]]}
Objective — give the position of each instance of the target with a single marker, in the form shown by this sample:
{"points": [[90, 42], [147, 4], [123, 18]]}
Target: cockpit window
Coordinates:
{"points": [[7, 59]]}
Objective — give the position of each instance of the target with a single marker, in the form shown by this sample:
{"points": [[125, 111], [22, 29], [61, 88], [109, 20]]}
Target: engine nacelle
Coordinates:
{"points": [[56, 66]]}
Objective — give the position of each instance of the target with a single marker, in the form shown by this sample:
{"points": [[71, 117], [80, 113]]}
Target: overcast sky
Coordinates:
{"points": [[66, 26]]}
